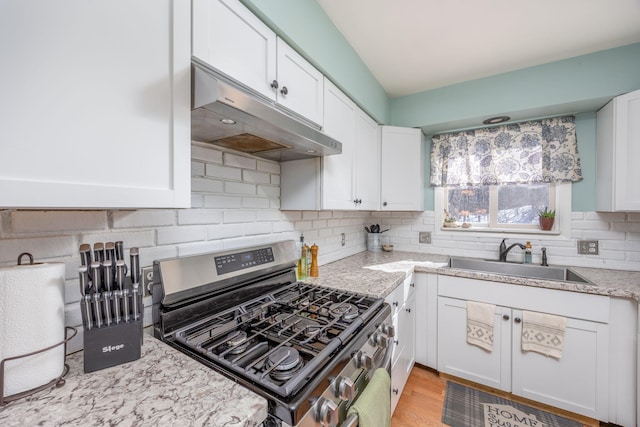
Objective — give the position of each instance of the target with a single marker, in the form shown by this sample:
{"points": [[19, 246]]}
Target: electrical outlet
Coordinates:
{"points": [[424, 237], [588, 247], [147, 279]]}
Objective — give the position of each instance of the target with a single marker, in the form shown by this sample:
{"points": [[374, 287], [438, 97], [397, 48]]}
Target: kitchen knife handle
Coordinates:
{"points": [[108, 283], [86, 312], [135, 265], [95, 277], [83, 279], [85, 255], [98, 252], [119, 250], [121, 272], [136, 310]]}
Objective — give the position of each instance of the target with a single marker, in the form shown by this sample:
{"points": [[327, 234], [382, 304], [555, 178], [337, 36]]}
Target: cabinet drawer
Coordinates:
{"points": [[396, 299], [563, 303]]}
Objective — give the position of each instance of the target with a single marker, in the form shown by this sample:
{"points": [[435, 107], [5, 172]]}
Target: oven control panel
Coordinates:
{"points": [[239, 261]]}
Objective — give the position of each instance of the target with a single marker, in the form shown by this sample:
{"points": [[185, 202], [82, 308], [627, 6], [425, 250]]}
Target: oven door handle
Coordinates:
{"points": [[351, 421]]}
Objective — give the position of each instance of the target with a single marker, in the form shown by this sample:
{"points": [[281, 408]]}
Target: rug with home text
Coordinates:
{"points": [[468, 407]]}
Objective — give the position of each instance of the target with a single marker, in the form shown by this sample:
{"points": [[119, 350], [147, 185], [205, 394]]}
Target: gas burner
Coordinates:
{"points": [[236, 340], [299, 323], [345, 310], [284, 362]]}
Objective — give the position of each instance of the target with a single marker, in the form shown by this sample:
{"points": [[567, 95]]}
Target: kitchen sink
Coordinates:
{"points": [[531, 271]]}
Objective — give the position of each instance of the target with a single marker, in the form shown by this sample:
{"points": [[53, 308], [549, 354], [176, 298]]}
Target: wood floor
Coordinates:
{"points": [[423, 396]]}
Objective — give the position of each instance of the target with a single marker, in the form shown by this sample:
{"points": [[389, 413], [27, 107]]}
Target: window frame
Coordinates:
{"points": [[561, 200]]}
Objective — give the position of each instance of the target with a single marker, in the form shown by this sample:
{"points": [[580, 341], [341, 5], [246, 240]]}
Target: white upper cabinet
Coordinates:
{"points": [[618, 151], [229, 37], [366, 170], [95, 107], [402, 169], [345, 181], [300, 85]]}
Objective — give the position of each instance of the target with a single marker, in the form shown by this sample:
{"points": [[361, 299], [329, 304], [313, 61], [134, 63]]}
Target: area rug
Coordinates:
{"points": [[468, 407]]}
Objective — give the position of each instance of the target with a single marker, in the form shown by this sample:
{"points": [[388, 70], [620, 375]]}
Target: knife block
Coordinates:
{"points": [[113, 345]]}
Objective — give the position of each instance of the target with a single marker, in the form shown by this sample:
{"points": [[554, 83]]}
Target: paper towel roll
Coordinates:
{"points": [[31, 318]]}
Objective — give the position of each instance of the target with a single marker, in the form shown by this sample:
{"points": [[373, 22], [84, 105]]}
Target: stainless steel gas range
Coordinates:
{"points": [[309, 350]]}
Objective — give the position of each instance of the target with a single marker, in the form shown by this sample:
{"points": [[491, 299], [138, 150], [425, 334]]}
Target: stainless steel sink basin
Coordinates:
{"points": [[521, 270]]}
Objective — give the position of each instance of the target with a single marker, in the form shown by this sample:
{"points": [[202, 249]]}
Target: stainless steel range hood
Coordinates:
{"points": [[258, 126]]}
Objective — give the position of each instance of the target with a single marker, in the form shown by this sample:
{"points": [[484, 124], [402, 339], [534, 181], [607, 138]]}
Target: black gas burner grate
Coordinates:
{"points": [[281, 339]]}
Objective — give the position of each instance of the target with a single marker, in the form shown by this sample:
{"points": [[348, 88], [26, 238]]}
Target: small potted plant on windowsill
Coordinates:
{"points": [[546, 218]]}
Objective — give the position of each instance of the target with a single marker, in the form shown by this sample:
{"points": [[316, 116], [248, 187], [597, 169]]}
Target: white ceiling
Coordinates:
{"points": [[415, 45]]}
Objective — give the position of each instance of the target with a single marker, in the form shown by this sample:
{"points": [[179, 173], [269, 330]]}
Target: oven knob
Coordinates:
{"points": [[378, 340], [363, 360], [326, 412], [344, 388], [389, 330]]}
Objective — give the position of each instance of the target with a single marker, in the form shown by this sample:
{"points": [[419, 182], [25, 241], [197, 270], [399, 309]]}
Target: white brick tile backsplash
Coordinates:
{"points": [[310, 215], [256, 177], [239, 161], [224, 172], [275, 179], [279, 227], [268, 191], [222, 202], [197, 248], [42, 248], [199, 216], [231, 187], [51, 221], [629, 227], [258, 228], [224, 231], [197, 200], [255, 202], [267, 166], [185, 233], [207, 185], [206, 153], [143, 218], [239, 215], [270, 215], [274, 203], [197, 169]]}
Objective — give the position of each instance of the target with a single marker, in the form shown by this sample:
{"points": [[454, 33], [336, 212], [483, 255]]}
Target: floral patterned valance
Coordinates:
{"points": [[529, 152]]}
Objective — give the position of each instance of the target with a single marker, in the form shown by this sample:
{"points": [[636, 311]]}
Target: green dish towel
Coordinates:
{"points": [[374, 404]]}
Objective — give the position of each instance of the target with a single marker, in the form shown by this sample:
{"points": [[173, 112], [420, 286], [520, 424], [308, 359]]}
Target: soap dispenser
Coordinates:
{"points": [[527, 253]]}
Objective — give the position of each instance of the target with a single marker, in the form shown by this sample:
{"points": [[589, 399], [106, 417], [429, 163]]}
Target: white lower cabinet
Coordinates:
{"points": [[427, 319], [403, 303], [577, 382]]}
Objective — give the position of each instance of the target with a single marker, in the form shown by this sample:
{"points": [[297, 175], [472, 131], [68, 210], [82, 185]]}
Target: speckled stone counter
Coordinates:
{"points": [[162, 388], [379, 273]]}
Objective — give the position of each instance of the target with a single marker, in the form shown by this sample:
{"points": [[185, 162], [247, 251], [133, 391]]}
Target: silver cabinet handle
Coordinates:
{"points": [[274, 84], [284, 90]]}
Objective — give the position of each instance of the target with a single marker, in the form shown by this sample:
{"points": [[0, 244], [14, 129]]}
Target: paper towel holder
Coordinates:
{"points": [[57, 382]]}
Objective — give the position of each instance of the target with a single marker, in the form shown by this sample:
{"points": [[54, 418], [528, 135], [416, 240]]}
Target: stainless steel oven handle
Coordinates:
{"points": [[351, 421]]}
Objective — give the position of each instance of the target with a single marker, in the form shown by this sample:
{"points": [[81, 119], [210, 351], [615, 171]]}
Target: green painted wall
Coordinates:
{"points": [[578, 83], [304, 25]]}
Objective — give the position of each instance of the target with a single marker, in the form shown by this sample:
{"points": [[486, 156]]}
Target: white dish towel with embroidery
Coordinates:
{"points": [[480, 324], [543, 333]]}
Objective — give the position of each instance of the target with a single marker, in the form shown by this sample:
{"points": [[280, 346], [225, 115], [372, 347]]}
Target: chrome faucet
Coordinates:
{"points": [[504, 250]]}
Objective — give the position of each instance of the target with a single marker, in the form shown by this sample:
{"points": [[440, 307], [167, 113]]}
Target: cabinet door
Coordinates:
{"points": [[402, 169], [233, 40], [367, 163], [458, 358], [337, 173], [407, 325], [426, 319], [627, 152], [578, 381], [95, 104], [301, 85]]}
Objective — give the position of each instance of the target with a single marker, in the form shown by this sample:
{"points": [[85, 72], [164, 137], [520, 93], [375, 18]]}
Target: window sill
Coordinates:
{"points": [[502, 230]]}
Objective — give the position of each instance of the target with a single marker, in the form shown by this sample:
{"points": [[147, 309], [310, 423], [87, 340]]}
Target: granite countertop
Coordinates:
{"points": [[379, 273], [164, 387]]}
